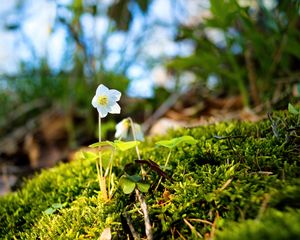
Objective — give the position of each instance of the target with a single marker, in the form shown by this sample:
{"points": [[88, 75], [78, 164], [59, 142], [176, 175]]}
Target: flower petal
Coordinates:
{"points": [[114, 94], [115, 109], [122, 129], [138, 132], [102, 111], [94, 101], [102, 90]]}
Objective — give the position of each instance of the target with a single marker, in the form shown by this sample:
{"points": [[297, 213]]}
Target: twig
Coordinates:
{"points": [[225, 185], [214, 227], [200, 220], [262, 172], [142, 201], [193, 229], [148, 226], [180, 235], [135, 235], [263, 206]]}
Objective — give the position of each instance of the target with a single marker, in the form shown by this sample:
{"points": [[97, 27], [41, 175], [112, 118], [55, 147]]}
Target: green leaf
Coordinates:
{"points": [[134, 178], [143, 187], [124, 146], [127, 184], [293, 110], [102, 144], [89, 155], [175, 141], [49, 210], [57, 205], [120, 145], [54, 208]]}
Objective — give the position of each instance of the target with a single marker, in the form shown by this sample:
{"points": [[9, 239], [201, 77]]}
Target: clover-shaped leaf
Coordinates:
{"points": [[117, 144], [124, 146], [143, 187], [54, 207], [49, 211], [102, 144], [175, 141], [58, 205], [89, 155], [127, 184], [134, 178]]}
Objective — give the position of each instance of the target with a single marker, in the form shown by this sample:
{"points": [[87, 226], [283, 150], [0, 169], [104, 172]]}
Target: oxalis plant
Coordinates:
{"points": [[171, 144], [106, 101]]}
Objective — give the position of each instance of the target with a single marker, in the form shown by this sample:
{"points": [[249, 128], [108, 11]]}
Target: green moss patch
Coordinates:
{"points": [[234, 183]]}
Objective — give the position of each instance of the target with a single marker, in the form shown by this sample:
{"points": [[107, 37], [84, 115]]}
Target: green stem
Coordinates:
{"points": [[108, 171], [97, 160], [166, 163], [109, 164], [110, 192], [134, 138], [136, 147], [98, 174], [99, 148], [168, 158], [102, 178]]}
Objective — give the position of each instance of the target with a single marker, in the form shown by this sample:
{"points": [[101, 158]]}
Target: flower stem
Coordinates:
{"points": [[102, 178], [108, 172], [99, 148], [134, 137], [136, 147], [98, 173]]}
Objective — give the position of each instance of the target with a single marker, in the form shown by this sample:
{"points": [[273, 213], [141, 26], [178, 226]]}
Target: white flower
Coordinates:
{"points": [[105, 101], [138, 132], [122, 129]]}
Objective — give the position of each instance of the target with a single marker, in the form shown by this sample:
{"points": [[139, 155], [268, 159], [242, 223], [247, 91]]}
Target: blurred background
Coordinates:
{"points": [[177, 63]]}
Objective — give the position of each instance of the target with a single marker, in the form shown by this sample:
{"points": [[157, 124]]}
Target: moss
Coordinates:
{"points": [[274, 225], [235, 173]]}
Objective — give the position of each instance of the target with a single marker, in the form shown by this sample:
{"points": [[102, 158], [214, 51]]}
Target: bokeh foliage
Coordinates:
{"points": [[257, 49], [257, 56]]}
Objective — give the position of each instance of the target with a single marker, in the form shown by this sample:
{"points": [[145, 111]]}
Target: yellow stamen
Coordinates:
{"points": [[126, 123], [102, 100]]}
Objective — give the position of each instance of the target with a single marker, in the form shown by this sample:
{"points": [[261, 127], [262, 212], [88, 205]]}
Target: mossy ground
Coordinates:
{"points": [[240, 181]]}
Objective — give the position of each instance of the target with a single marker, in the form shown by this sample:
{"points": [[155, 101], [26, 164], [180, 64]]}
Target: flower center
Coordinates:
{"points": [[102, 100], [126, 123]]}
